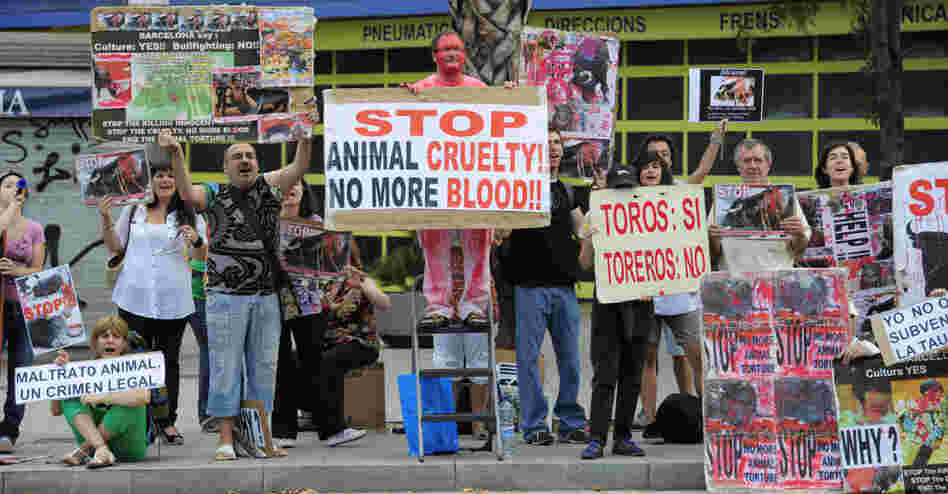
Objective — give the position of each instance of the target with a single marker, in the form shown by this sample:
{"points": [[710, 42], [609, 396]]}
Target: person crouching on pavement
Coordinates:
{"points": [[106, 425]]}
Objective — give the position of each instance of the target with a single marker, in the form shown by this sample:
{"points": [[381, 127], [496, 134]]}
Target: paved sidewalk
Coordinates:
{"points": [[380, 463]]}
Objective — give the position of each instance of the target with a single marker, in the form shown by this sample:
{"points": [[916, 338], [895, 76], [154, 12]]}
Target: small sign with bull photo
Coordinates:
{"points": [[753, 210], [122, 174]]}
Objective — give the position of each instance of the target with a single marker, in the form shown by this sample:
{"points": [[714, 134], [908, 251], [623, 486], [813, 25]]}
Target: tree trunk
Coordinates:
{"points": [[887, 82], [491, 31]]}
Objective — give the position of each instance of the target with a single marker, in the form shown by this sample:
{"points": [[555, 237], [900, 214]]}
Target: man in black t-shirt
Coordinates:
{"points": [[542, 264]]}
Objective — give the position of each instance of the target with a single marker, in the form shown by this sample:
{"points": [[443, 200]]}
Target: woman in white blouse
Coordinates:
{"points": [[153, 291]]}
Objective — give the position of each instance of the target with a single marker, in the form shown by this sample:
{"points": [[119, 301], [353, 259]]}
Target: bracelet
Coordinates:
{"points": [[716, 139]]}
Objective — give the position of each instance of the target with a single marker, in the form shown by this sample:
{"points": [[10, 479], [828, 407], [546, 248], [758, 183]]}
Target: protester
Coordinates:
{"points": [[243, 311], [860, 158], [152, 289], [108, 425], [24, 251], [754, 159], [198, 322], [663, 145], [836, 168], [447, 49], [619, 333], [297, 376], [542, 264], [350, 343]]}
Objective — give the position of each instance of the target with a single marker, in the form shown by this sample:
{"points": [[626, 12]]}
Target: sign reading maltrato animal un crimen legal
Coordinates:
{"points": [[908, 332], [60, 382], [444, 158]]}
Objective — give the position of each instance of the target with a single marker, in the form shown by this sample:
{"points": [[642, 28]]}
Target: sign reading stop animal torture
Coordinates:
{"points": [[906, 333], [452, 157], [920, 229], [650, 241]]}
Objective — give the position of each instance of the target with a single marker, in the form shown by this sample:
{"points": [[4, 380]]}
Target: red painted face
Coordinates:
{"points": [[449, 54]]}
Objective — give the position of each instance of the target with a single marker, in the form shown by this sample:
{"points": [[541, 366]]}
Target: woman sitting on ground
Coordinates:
{"points": [[106, 422]]}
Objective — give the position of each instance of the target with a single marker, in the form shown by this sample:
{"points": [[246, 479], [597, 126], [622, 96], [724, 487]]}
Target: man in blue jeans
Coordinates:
{"points": [[243, 312], [543, 265]]}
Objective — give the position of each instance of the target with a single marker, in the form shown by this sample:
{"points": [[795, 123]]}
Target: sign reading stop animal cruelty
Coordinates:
{"points": [[448, 157], [650, 241], [920, 208]]}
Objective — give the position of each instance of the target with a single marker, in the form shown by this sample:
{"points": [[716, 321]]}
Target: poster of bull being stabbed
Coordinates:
{"points": [[315, 260], [753, 210], [124, 175], [770, 413], [579, 71], [51, 309]]}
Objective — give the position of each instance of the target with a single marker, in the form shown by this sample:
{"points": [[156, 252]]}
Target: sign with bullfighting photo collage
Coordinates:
{"points": [[208, 73]]}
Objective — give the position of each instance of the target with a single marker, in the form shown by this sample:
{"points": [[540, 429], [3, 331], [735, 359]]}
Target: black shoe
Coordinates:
{"points": [[433, 322], [627, 447], [539, 438], [593, 451], [651, 433], [575, 436]]}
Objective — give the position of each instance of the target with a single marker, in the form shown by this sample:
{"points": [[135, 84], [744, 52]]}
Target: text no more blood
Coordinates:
{"points": [[466, 154], [636, 218]]}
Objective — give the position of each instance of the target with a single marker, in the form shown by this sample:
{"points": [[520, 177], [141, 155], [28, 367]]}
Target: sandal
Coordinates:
{"points": [[279, 452], [103, 458], [79, 457], [433, 321], [173, 439], [225, 452]]}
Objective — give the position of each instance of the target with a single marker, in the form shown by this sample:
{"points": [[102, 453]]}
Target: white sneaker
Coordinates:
{"points": [[285, 442], [346, 436]]}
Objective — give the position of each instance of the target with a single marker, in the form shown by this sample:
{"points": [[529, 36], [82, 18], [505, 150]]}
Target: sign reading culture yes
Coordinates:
{"points": [[444, 158], [650, 241]]}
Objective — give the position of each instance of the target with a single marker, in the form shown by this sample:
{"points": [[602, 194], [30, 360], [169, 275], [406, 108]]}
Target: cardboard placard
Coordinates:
{"points": [[650, 241], [444, 158], [51, 309], [734, 94], [54, 382], [906, 333], [920, 195]]}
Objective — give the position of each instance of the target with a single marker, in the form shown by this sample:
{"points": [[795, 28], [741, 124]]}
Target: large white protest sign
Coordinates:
{"points": [[54, 382], [908, 332], [920, 197], [650, 241], [445, 158]]}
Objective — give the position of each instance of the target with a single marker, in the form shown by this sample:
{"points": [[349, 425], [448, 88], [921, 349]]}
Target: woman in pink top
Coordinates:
{"points": [[23, 254]]}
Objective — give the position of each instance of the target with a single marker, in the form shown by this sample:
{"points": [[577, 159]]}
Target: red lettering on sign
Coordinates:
{"points": [[417, 120], [383, 127], [449, 120], [499, 122], [432, 164]]}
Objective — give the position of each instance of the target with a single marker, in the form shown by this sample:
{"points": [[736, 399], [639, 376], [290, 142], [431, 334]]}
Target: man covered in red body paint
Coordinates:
{"points": [[448, 52]]}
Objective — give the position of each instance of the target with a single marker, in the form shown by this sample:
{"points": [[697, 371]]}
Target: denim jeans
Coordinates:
{"points": [[20, 351], [242, 330], [198, 321], [556, 308]]}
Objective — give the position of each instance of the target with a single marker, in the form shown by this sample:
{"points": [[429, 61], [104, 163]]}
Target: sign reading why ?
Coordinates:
{"points": [[55, 382], [906, 333], [650, 241]]}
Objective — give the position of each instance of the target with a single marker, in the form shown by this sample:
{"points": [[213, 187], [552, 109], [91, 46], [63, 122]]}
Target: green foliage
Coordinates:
{"points": [[399, 264]]}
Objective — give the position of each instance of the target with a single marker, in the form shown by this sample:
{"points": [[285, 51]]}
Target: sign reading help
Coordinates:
{"points": [[650, 241], [456, 157]]}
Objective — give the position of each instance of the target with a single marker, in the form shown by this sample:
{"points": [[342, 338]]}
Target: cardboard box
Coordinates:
{"points": [[510, 356], [365, 398]]}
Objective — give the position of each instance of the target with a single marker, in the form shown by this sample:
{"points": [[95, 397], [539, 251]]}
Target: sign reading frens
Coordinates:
{"points": [[60, 382], [474, 151], [650, 241]]}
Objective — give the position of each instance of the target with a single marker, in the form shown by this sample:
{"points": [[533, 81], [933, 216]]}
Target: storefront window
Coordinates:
{"points": [[791, 152], [715, 51], [795, 49], [844, 47], [918, 100], [323, 63], [925, 44], [210, 157], [370, 249], [925, 146], [868, 140], [360, 61], [620, 83], [654, 98], [698, 142], [634, 141], [788, 97], [410, 60], [844, 95], [654, 52]]}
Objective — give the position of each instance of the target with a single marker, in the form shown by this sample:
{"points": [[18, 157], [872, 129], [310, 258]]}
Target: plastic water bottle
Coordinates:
{"points": [[506, 410]]}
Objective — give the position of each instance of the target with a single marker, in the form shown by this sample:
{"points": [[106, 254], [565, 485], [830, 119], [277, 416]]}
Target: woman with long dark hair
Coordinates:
{"points": [[837, 166], [153, 290]]}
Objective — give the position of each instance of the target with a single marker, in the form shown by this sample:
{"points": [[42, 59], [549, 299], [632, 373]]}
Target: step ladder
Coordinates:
{"points": [[457, 327]]}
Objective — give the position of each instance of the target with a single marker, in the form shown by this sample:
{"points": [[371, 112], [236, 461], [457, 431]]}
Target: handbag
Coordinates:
{"points": [[289, 306], [113, 265]]}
